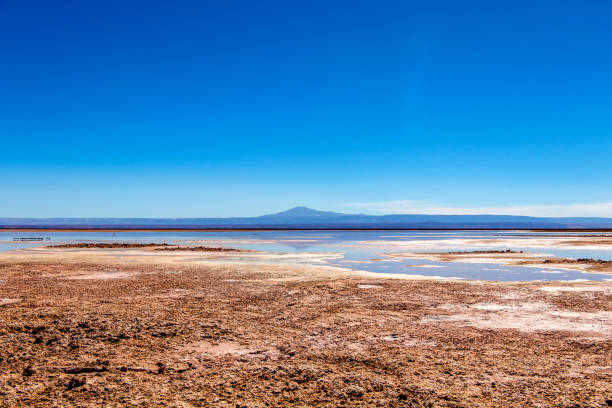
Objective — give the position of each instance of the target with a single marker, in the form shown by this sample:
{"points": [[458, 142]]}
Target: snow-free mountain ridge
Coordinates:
{"points": [[304, 217]]}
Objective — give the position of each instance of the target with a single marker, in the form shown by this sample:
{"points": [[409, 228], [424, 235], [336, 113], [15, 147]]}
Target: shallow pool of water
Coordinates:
{"points": [[362, 250]]}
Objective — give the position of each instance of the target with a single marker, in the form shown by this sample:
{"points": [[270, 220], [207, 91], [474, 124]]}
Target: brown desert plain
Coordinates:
{"points": [[136, 326]]}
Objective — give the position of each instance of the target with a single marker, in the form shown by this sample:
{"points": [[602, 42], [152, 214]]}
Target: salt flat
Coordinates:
{"points": [[174, 329]]}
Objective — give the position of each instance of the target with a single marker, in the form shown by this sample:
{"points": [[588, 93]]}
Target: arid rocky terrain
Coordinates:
{"points": [[136, 327]]}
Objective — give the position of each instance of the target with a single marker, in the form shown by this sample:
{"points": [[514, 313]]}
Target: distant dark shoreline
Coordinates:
{"points": [[155, 229]]}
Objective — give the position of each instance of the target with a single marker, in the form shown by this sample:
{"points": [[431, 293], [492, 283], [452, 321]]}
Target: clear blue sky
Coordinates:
{"points": [[200, 108]]}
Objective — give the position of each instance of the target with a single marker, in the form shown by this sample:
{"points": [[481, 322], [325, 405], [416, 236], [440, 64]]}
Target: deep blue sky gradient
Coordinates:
{"points": [[195, 108]]}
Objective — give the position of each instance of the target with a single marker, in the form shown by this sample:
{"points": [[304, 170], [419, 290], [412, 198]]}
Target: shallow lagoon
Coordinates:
{"points": [[361, 250]]}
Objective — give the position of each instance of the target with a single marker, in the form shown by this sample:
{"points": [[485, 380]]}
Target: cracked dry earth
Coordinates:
{"points": [[142, 335]]}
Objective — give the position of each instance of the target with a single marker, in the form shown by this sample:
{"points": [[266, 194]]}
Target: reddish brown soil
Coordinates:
{"points": [[589, 242], [590, 261], [109, 245], [154, 246], [201, 249], [229, 337], [507, 251]]}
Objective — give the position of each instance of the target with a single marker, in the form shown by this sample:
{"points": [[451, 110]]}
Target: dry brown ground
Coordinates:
{"points": [[140, 333]]}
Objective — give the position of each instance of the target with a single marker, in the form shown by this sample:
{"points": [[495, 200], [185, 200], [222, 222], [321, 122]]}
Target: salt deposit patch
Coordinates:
{"points": [[420, 343], [6, 301], [510, 296], [103, 275], [559, 289], [208, 350], [362, 286], [526, 317], [393, 337], [589, 339], [492, 306]]}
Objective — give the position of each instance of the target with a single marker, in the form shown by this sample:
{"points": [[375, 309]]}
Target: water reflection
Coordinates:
{"points": [[362, 250]]}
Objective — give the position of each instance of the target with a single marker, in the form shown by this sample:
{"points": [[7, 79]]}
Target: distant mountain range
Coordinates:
{"points": [[303, 217]]}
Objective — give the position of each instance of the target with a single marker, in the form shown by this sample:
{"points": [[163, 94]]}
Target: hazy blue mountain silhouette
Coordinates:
{"points": [[304, 217], [303, 212]]}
